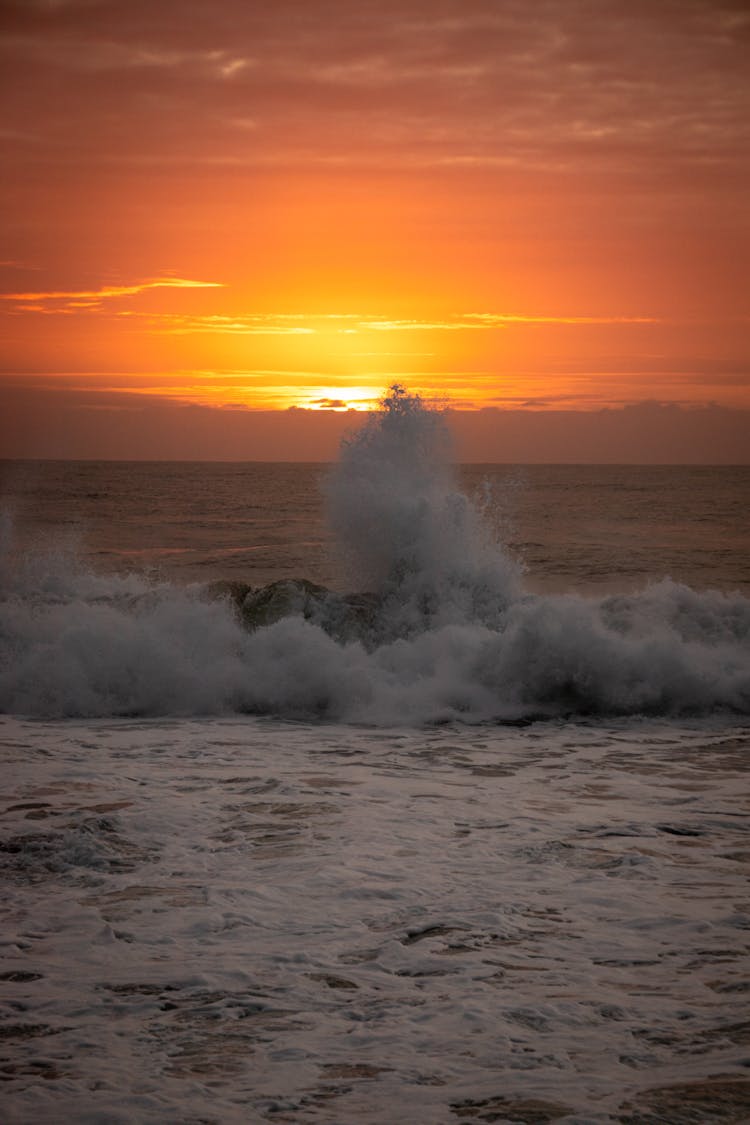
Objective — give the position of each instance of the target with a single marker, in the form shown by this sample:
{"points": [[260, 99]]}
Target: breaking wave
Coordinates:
{"points": [[440, 630]]}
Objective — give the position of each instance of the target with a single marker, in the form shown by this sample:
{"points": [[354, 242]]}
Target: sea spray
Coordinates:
{"points": [[405, 530], [447, 632]]}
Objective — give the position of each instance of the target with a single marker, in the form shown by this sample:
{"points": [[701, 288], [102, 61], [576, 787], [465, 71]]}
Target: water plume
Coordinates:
{"points": [[404, 528], [447, 631]]}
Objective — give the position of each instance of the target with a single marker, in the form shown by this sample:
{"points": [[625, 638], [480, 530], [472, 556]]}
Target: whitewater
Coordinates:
{"points": [[452, 634], [425, 845]]}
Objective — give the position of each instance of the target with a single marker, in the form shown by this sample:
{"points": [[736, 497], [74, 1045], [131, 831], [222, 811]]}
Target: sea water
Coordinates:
{"points": [[585, 528], [485, 862]]}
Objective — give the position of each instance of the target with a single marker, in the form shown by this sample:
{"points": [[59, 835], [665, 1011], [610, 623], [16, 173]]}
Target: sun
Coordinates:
{"points": [[340, 398]]}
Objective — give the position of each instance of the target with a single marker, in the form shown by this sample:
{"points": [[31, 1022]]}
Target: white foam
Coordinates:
{"points": [[406, 530], [455, 637]]}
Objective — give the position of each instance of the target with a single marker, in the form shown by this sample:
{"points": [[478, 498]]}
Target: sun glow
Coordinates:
{"points": [[339, 398]]}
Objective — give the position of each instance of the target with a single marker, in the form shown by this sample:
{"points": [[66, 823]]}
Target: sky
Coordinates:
{"points": [[228, 226]]}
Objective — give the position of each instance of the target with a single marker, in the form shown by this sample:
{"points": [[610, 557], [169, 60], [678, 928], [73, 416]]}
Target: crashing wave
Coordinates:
{"points": [[439, 629]]}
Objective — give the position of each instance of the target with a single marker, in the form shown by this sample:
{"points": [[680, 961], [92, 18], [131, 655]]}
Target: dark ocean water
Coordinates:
{"points": [[481, 858], [587, 528], [495, 592]]}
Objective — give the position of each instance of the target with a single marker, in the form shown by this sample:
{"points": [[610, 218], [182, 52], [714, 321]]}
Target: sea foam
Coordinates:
{"points": [[454, 636]]}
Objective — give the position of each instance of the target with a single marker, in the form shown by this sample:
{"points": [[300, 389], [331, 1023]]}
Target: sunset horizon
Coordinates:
{"points": [[249, 210], [374, 584]]}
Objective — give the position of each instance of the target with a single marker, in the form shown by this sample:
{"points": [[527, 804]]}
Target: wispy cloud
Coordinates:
{"points": [[251, 324], [91, 54], [476, 84], [497, 320], [491, 320], [303, 324], [450, 325], [93, 298]]}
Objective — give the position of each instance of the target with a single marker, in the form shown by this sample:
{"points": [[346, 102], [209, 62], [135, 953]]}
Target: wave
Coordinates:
{"points": [[441, 630]]}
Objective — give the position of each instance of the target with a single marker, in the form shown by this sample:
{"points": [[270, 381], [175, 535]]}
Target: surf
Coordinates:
{"points": [[436, 624]]}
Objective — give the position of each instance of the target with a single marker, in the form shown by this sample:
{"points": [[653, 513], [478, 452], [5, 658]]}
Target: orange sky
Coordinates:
{"points": [[247, 207]]}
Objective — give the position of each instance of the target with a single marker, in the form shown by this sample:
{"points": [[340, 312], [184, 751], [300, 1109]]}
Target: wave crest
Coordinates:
{"points": [[444, 632]]}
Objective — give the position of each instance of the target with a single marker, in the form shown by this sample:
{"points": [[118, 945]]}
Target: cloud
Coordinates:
{"points": [[93, 298], [304, 324], [248, 324], [498, 319], [329, 404], [92, 54], [416, 325], [39, 420], [479, 83]]}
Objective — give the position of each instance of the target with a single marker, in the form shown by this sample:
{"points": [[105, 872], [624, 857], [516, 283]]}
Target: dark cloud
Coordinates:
{"points": [[329, 403], [547, 85], [46, 418]]}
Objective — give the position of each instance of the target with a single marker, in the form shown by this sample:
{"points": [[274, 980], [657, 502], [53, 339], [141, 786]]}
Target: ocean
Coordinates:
{"points": [[378, 792], [584, 528]]}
